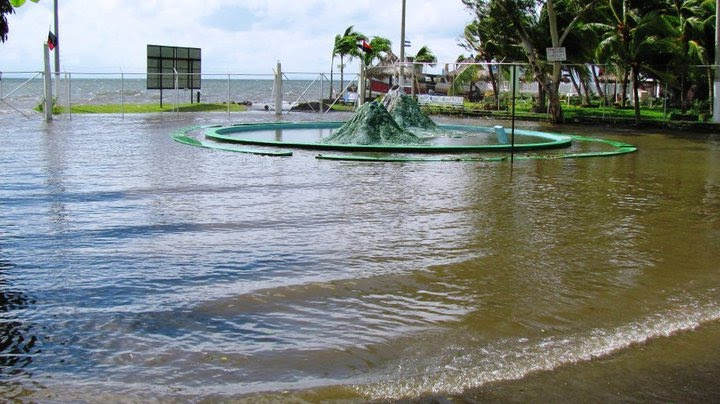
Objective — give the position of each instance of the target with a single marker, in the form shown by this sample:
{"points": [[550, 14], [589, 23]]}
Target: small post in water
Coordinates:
{"points": [[48, 84], [512, 132], [278, 89]]}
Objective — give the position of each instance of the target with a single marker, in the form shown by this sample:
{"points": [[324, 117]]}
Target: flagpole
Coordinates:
{"points": [[57, 51]]}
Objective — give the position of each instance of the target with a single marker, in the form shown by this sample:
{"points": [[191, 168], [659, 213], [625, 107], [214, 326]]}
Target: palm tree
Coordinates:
{"points": [[491, 38], [346, 46], [692, 19], [636, 43], [380, 49], [425, 55], [468, 73], [530, 30]]}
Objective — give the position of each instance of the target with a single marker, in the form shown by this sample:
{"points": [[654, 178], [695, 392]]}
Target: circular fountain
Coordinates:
{"points": [[393, 129]]}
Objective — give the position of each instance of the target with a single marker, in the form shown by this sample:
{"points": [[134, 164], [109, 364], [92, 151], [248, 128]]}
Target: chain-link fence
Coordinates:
{"points": [[585, 90]]}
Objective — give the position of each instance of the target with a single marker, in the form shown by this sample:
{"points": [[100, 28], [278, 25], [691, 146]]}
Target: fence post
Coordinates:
{"points": [[68, 78], [278, 90], [48, 84], [122, 95], [322, 92]]}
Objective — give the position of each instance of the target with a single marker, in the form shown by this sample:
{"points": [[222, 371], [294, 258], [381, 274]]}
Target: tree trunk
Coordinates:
{"points": [[556, 112], [332, 62], [584, 77], [626, 79], [553, 87], [711, 89], [342, 75], [575, 84], [493, 81], [598, 85], [636, 92], [615, 91], [540, 106]]}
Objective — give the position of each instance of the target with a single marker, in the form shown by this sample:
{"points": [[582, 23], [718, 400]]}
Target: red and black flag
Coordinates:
{"points": [[365, 46], [52, 40]]}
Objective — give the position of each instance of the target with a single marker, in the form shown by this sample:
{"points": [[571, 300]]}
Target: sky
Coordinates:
{"points": [[236, 36]]}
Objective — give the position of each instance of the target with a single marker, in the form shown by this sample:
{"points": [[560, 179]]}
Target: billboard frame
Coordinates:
{"points": [[165, 64]]}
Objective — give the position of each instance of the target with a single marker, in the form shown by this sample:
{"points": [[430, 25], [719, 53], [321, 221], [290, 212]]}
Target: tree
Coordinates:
{"points": [[530, 26], [491, 37], [379, 48], [425, 55], [475, 39], [346, 46], [693, 23], [639, 42], [521, 14]]}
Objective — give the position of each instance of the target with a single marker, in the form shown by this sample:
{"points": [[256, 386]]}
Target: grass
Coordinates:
{"points": [[150, 108], [572, 113]]}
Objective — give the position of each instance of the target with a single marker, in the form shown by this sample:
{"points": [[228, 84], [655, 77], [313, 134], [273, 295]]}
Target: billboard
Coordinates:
{"points": [[163, 61]]}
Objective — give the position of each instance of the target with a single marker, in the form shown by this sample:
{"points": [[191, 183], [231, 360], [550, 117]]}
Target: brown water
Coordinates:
{"points": [[134, 267]]}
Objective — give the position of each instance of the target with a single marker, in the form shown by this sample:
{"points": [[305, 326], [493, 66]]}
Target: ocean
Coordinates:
{"points": [[135, 268], [25, 91]]}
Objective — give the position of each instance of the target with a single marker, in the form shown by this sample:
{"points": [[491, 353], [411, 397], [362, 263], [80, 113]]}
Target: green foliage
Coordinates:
{"points": [[379, 47], [425, 55], [6, 8], [56, 109], [346, 45], [634, 40], [18, 3]]}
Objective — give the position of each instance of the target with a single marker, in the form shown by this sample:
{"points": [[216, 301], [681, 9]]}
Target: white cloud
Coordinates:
{"points": [[235, 37]]}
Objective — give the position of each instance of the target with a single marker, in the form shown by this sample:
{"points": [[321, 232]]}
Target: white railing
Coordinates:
{"points": [[22, 92]]}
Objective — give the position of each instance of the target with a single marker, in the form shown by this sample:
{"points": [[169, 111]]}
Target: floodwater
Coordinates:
{"points": [[133, 267]]}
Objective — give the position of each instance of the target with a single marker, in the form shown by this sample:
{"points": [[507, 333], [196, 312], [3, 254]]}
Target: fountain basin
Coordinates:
{"points": [[448, 139]]}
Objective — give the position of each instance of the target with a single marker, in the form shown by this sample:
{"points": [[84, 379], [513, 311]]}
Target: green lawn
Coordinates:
{"points": [[522, 111], [149, 108]]}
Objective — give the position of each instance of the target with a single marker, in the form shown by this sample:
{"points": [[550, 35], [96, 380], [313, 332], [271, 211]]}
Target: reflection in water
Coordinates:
{"points": [[18, 343]]}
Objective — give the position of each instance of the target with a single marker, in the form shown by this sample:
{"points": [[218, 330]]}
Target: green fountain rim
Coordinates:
{"points": [[228, 134]]}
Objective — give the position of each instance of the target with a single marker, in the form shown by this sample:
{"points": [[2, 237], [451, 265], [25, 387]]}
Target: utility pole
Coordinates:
{"points": [[402, 49], [716, 102], [57, 51]]}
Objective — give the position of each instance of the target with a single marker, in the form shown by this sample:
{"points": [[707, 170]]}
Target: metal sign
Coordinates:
{"points": [[556, 54], [166, 63]]}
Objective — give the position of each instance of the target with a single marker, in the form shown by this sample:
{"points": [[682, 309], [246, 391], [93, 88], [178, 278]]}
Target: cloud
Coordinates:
{"points": [[235, 37]]}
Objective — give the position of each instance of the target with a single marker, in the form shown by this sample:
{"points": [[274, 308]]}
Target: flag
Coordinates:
{"points": [[365, 46], [52, 40]]}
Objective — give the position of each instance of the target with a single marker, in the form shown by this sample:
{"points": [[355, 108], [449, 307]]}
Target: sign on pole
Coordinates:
{"points": [[165, 64], [556, 54]]}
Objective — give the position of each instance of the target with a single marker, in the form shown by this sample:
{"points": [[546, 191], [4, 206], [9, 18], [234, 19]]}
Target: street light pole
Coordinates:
{"points": [[402, 48]]}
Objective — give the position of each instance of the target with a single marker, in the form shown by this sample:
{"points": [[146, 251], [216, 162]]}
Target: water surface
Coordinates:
{"points": [[133, 266]]}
